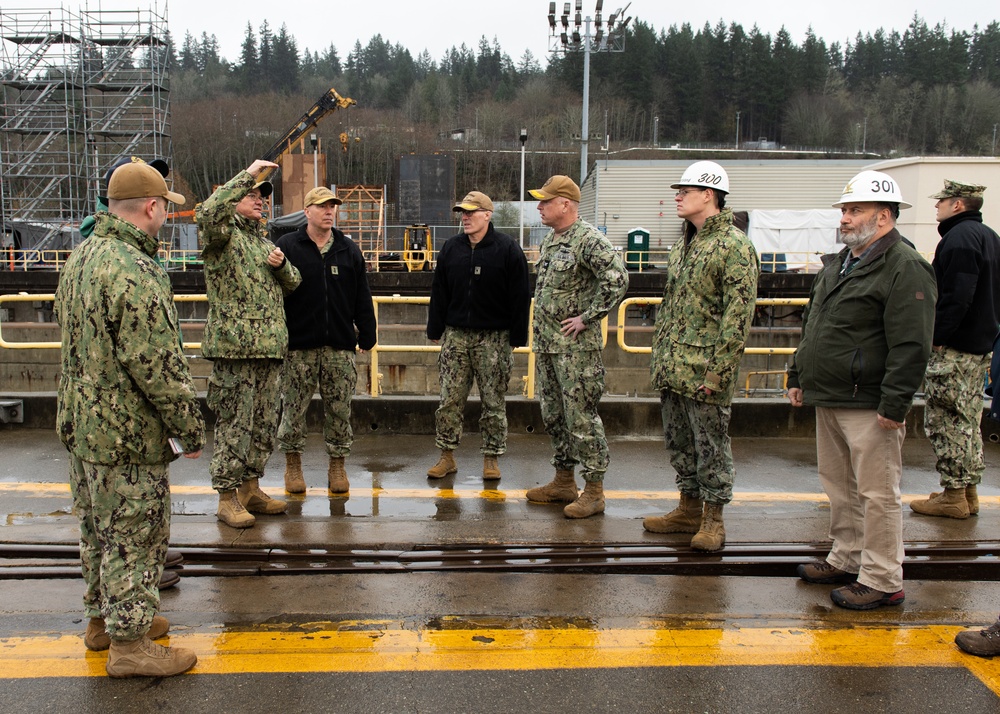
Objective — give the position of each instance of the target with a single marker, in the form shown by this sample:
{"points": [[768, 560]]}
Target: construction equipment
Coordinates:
{"points": [[330, 102], [418, 247]]}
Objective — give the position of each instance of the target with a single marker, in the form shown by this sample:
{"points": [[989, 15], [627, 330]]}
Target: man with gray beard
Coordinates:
{"points": [[866, 338]]}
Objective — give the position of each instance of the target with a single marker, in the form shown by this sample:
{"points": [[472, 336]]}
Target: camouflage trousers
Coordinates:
{"points": [[697, 437], [243, 393], [483, 355], [953, 386], [124, 514], [569, 389], [334, 372]]}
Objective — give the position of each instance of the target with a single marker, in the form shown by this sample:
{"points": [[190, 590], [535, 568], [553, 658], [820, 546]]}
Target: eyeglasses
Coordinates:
{"points": [[255, 197], [685, 191]]}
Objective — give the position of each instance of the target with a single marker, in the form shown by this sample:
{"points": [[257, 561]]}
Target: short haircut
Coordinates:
{"points": [[127, 205], [972, 203], [720, 197], [893, 209]]}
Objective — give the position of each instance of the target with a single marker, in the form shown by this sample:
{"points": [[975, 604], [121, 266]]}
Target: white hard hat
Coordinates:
{"points": [[706, 174], [872, 186]]}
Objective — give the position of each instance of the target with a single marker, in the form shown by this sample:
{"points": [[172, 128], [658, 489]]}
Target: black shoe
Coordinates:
{"points": [[825, 574]]}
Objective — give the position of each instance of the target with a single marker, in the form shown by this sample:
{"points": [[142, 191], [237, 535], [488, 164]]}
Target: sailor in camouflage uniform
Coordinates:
{"points": [[967, 267], [329, 316], [479, 307], [580, 279], [701, 329], [246, 339], [125, 391]]}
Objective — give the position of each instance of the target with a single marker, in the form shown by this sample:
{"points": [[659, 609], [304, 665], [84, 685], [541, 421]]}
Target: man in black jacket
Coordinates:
{"points": [[479, 305], [967, 266], [329, 316]]}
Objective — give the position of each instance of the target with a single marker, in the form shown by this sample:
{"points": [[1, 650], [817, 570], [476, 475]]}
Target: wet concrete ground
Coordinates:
{"points": [[455, 642]]}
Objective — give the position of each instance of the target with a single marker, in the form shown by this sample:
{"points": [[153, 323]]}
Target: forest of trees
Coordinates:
{"points": [[925, 90]]}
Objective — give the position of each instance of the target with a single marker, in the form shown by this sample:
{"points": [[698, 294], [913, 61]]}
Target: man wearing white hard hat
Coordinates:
{"points": [[866, 338], [701, 329]]}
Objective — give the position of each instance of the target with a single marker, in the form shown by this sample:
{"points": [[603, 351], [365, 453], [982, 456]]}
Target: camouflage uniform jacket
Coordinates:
{"points": [[125, 386], [579, 273], [246, 313], [708, 304]]}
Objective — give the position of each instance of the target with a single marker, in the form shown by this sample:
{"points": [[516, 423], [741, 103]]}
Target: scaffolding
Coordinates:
{"points": [[80, 88], [362, 216]]}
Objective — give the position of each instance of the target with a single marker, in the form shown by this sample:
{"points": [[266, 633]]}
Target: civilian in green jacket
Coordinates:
{"points": [[866, 338]]}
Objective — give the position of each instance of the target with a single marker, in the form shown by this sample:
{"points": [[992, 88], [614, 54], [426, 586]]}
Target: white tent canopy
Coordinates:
{"points": [[801, 236]]}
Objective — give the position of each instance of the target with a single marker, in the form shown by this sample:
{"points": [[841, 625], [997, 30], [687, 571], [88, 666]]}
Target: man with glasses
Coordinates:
{"points": [[329, 316], [479, 311], [580, 279], [866, 337], [246, 339], [698, 340]]}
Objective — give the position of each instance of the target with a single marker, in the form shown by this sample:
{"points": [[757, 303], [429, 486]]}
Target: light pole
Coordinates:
{"points": [[566, 40], [315, 143], [524, 138], [737, 131]]}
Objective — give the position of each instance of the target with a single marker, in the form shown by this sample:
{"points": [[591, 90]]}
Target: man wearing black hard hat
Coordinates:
{"points": [[246, 278], [87, 227]]}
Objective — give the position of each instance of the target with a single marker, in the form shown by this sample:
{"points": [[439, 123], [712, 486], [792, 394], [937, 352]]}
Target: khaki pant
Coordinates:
{"points": [[860, 465]]}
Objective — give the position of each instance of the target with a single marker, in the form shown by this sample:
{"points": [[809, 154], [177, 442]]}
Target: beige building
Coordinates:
{"points": [[920, 177], [620, 195]]}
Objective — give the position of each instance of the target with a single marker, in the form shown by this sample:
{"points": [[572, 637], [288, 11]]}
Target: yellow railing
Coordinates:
{"points": [[761, 302]]}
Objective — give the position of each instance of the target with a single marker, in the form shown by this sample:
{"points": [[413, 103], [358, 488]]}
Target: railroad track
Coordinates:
{"points": [[923, 561]]}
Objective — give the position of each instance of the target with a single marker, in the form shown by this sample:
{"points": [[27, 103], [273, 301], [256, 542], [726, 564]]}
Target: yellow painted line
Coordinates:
{"points": [[49, 489], [393, 649]]}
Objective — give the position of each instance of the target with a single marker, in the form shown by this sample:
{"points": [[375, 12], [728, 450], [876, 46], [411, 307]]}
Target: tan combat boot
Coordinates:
{"points": [[96, 637], [491, 469], [562, 489], [712, 535], [145, 658], [950, 504], [294, 481], [336, 476], [231, 511], [256, 501], [686, 518], [444, 466], [972, 498], [591, 501]]}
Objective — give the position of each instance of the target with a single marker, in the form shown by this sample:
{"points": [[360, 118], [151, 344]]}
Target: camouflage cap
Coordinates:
{"points": [[957, 189]]}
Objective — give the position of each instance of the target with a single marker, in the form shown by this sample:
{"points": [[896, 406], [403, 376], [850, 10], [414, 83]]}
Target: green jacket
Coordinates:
{"points": [[708, 305], [579, 273], [125, 385], [866, 337], [246, 313]]}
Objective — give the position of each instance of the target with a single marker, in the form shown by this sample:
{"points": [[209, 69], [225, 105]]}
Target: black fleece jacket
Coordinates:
{"points": [[967, 268], [333, 305], [481, 287]]}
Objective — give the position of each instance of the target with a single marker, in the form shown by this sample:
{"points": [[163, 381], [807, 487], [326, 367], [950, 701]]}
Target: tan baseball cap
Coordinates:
{"points": [[557, 185], [321, 194], [138, 180], [474, 201]]}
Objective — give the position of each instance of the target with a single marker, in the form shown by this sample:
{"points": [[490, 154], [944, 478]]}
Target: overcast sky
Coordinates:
{"points": [[437, 25]]}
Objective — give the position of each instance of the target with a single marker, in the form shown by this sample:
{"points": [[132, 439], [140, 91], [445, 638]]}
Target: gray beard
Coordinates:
{"points": [[861, 236]]}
